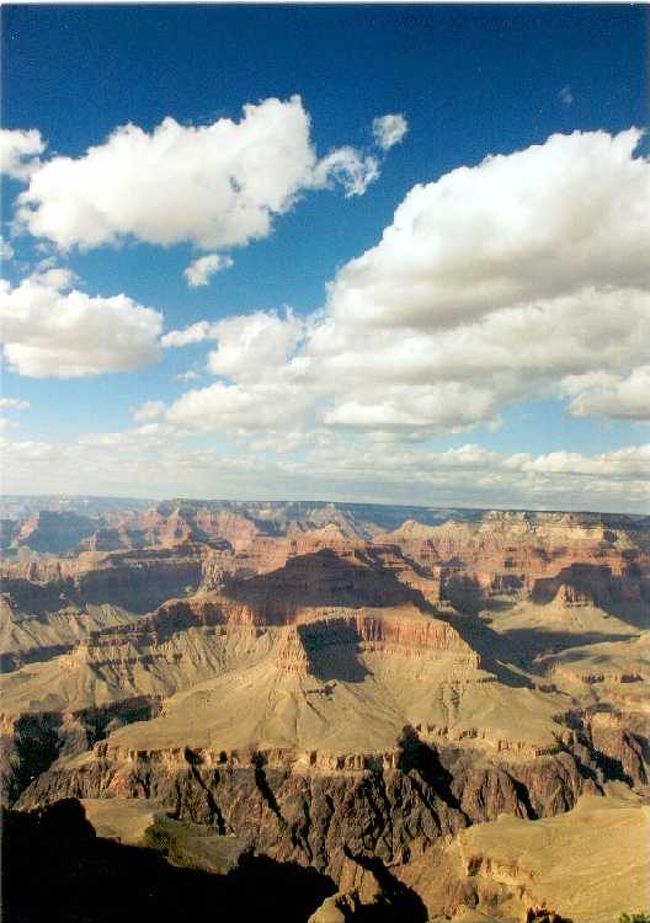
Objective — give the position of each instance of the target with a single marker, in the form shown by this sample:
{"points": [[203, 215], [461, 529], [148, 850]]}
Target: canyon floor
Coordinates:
{"points": [[325, 712]]}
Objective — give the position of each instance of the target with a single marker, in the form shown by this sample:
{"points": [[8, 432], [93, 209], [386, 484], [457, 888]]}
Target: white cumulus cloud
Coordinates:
{"points": [[255, 346], [524, 277], [249, 346], [216, 186], [445, 406], [540, 222], [618, 396], [511, 349], [240, 409], [262, 391], [494, 285], [50, 329], [628, 463], [527, 269]]}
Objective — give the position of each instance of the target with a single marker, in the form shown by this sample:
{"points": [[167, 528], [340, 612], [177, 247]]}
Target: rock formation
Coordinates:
{"points": [[343, 688]]}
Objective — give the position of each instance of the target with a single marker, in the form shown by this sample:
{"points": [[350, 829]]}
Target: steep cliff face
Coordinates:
{"points": [[578, 557], [136, 581], [31, 743], [54, 532], [37, 636], [390, 806]]}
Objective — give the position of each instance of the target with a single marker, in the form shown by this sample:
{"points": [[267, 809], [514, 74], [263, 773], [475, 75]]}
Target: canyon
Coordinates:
{"points": [[396, 712]]}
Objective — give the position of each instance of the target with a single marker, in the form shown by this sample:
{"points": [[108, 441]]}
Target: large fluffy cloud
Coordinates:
{"points": [[240, 409], [541, 222], [262, 389], [216, 185], [50, 329], [431, 382], [253, 345], [617, 396], [256, 346], [445, 406], [466, 371], [545, 338], [524, 277]]}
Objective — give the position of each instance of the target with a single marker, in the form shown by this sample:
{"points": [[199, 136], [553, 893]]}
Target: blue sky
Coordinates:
{"points": [[467, 82]]}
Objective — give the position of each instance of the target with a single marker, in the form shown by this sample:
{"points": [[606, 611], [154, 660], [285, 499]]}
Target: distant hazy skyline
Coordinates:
{"points": [[375, 253]]}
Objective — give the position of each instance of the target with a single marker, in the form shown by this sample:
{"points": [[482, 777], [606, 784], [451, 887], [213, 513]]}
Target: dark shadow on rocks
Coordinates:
{"points": [[465, 594], [423, 759], [397, 904], [37, 743], [610, 592], [35, 601], [55, 868], [320, 579], [535, 642], [14, 660], [333, 651], [496, 651]]}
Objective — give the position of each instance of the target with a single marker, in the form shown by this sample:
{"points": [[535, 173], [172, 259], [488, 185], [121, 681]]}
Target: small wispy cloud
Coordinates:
{"points": [[19, 152], [566, 95], [195, 333], [13, 403], [6, 250], [148, 411], [389, 130], [201, 270], [10, 403], [190, 375]]}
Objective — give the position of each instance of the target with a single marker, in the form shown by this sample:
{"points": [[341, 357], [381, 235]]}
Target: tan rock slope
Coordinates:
{"points": [[589, 864]]}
